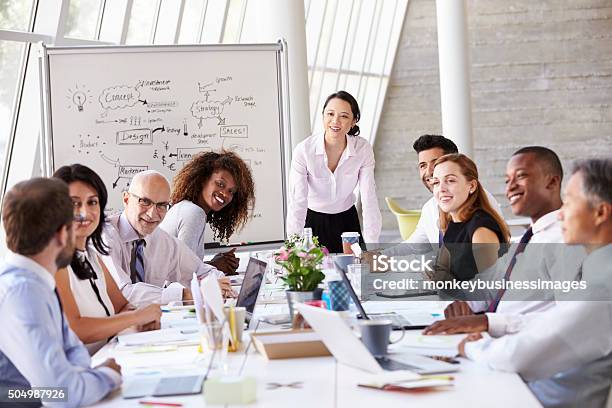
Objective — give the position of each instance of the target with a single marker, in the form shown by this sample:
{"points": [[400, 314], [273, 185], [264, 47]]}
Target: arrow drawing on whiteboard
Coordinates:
{"points": [[173, 155], [163, 129], [98, 121], [221, 120], [143, 102], [115, 163], [115, 182]]}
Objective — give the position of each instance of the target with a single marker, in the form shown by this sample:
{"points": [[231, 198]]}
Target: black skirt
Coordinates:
{"points": [[329, 227]]}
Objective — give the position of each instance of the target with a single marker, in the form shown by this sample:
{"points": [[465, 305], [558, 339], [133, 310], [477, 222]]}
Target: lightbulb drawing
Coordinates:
{"points": [[79, 98]]}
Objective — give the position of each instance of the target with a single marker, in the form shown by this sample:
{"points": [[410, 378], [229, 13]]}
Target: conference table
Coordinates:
{"points": [[309, 382]]}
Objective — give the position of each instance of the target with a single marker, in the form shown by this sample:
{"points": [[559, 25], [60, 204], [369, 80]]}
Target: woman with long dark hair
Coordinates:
{"points": [[326, 169], [95, 307]]}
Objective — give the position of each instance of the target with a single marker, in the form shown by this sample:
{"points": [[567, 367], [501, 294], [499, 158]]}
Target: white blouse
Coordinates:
{"points": [[85, 297], [313, 185]]}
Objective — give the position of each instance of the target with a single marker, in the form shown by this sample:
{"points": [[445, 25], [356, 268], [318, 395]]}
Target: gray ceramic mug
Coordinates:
{"points": [[375, 335]]}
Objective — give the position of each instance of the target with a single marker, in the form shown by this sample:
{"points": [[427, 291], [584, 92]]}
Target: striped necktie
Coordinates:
{"points": [[137, 270], [519, 249]]}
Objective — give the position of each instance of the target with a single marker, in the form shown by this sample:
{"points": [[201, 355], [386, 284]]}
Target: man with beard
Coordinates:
{"points": [[429, 148], [37, 348]]}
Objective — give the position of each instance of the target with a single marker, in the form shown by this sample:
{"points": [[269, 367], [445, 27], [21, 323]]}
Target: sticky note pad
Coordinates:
{"points": [[230, 390]]}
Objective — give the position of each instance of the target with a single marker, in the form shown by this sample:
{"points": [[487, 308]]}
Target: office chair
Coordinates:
{"points": [[407, 220]]}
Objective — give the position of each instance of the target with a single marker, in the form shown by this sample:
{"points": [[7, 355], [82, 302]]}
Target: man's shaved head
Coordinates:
{"points": [[147, 176]]}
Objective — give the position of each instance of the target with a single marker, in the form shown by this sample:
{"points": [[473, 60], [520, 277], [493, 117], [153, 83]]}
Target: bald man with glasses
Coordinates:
{"points": [[148, 264]]}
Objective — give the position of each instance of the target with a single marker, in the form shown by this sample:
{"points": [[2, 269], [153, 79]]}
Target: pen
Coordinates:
{"points": [[437, 377], [155, 349], [161, 404], [446, 359], [189, 331]]}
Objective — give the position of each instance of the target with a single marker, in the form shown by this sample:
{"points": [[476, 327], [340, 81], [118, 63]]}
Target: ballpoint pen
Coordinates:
{"points": [[161, 404]]}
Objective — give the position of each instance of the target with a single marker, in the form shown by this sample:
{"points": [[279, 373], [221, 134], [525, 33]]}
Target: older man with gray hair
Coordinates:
{"points": [[148, 264], [565, 353]]}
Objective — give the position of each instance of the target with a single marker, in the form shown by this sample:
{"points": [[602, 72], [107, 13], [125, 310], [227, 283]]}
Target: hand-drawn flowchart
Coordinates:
{"points": [[132, 107]]}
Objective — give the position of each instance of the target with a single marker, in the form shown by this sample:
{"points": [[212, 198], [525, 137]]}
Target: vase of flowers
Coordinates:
{"points": [[302, 273]]}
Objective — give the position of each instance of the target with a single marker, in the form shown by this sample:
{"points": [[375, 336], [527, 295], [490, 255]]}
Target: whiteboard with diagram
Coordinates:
{"points": [[121, 110]]}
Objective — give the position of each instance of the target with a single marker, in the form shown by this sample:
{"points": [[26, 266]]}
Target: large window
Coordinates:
{"points": [[15, 16], [350, 45]]}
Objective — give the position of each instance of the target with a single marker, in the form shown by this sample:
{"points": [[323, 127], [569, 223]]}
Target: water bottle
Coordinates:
{"points": [[307, 242]]}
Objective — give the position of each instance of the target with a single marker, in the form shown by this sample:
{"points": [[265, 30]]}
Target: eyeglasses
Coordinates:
{"points": [[148, 203]]}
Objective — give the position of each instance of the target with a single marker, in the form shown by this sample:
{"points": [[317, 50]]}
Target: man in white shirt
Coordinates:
{"points": [[37, 348], [533, 189], [429, 148], [148, 264], [565, 352]]}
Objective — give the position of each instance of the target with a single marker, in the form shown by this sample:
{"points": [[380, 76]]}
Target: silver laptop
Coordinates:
{"points": [[400, 320], [348, 349], [251, 284]]}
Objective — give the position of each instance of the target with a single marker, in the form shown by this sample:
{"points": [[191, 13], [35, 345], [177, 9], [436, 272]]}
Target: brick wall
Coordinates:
{"points": [[541, 73]]}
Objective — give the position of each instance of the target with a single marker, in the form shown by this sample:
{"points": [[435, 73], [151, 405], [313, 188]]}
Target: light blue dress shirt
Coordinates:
{"points": [[564, 352], [37, 348]]}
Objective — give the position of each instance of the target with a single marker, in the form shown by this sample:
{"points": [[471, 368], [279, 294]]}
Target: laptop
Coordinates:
{"points": [[162, 386], [346, 347], [251, 284], [399, 320]]}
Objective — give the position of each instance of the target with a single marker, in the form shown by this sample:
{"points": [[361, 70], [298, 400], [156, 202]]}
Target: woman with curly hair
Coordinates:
{"points": [[214, 188]]}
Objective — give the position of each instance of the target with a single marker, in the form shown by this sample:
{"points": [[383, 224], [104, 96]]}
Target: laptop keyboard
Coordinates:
{"points": [[392, 365], [396, 320]]}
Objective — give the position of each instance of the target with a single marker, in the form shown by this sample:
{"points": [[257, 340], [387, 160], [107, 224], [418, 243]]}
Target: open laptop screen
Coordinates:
{"points": [[253, 278], [351, 291]]}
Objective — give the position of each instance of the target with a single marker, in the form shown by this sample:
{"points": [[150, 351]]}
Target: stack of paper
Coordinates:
{"points": [[416, 339], [419, 384], [161, 337], [439, 345]]}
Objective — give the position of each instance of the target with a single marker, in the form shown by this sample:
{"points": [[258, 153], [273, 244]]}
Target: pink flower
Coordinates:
{"points": [[283, 255], [325, 251], [303, 255]]}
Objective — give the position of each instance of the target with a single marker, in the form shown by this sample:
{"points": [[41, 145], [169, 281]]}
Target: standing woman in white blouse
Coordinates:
{"points": [[326, 169]]}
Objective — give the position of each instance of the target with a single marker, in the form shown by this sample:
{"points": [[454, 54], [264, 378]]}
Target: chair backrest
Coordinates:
{"points": [[395, 207], [407, 220]]}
